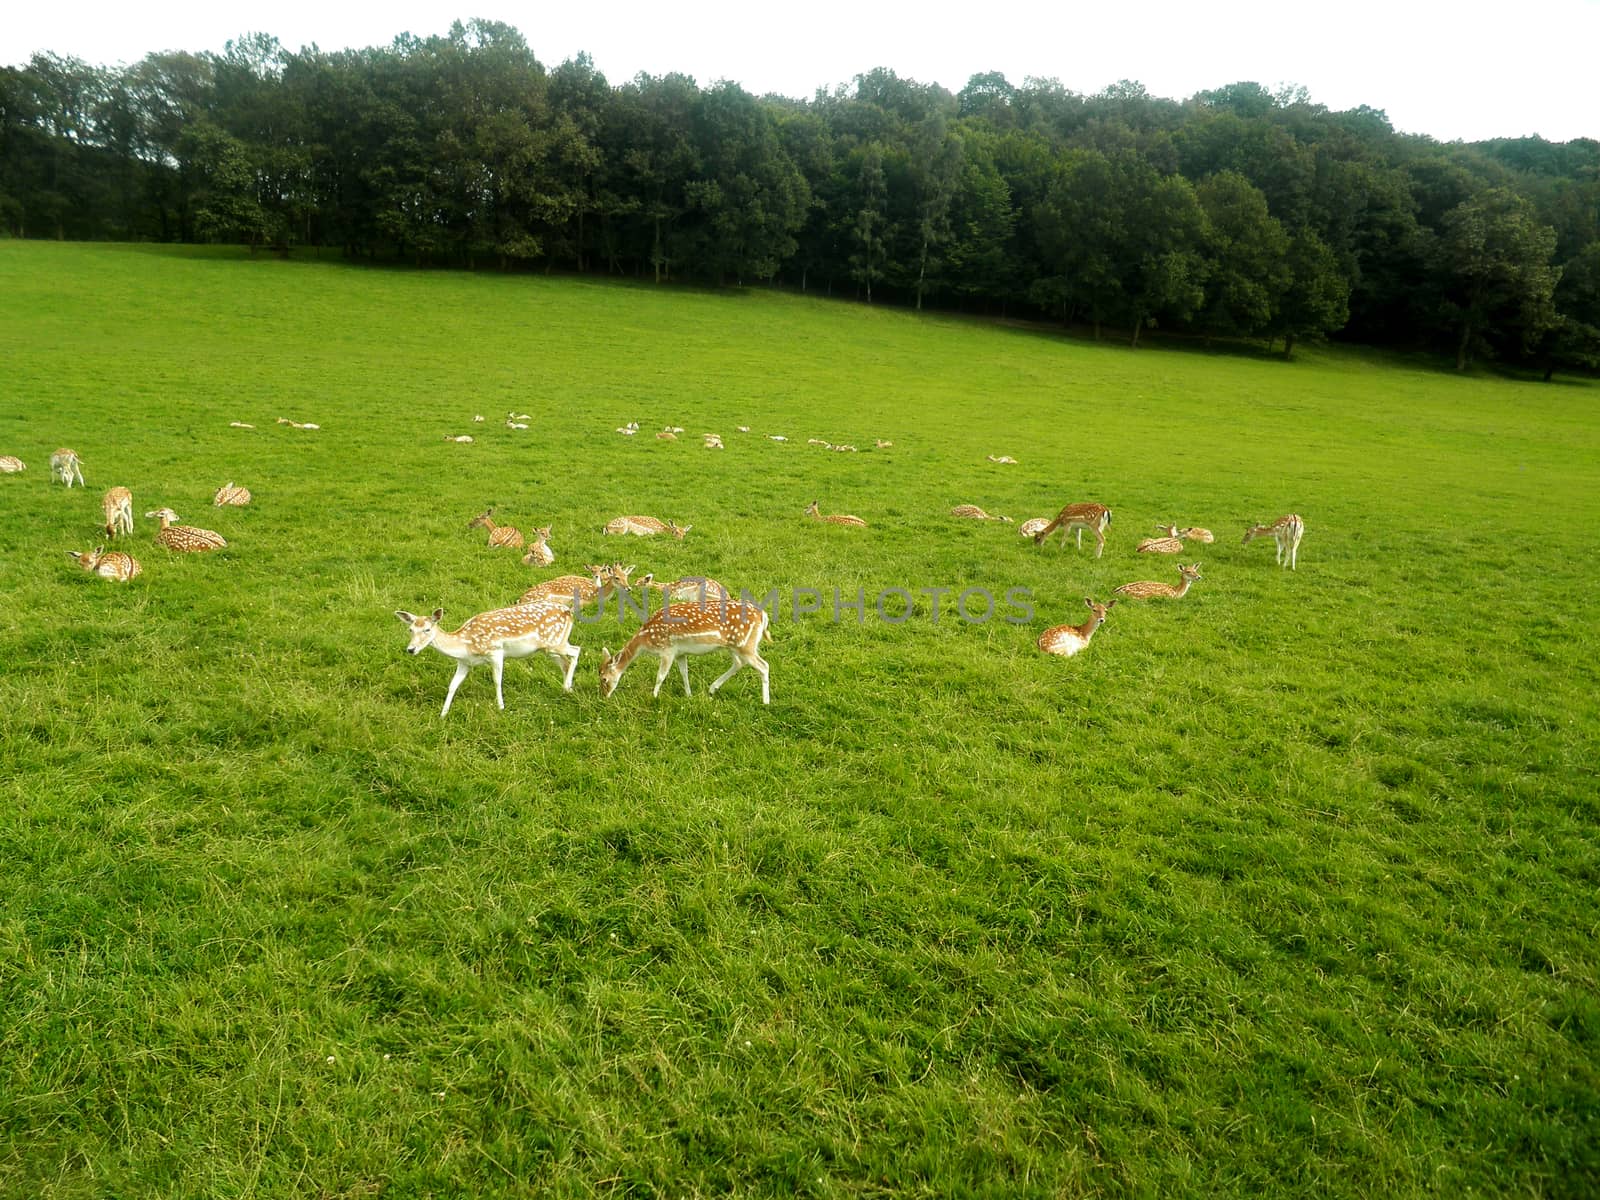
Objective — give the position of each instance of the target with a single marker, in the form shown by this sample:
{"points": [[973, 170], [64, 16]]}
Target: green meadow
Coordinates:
{"points": [[1287, 888]]}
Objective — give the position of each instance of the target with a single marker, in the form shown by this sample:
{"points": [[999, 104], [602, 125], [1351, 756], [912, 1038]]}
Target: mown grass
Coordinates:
{"points": [[1287, 888]]}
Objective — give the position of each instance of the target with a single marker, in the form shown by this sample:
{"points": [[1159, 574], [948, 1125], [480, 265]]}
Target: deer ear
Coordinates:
{"points": [[73, 553], [605, 656], [438, 615], [1088, 601], [99, 550], [408, 618]]}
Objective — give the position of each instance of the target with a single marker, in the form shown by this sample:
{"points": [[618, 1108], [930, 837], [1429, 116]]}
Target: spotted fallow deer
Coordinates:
{"points": [[117, 507], [1033, 526], [108, 564], [812, 510], [229, 496], [1093, 517], [692, 589], [1192, 534], [492, 637], [1160, 545], [66, 466], [580, 590], [973, 512], [10, 464], [539, 553], [645, 527], [1149, 589], [680, 630], [1067, 640], [499, 535], [1285, 533], [185, 539]]}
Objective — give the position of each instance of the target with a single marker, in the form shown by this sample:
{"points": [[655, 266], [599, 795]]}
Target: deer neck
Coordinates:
{"points": [[1183, 587], [1086, 630], [451, 645]]}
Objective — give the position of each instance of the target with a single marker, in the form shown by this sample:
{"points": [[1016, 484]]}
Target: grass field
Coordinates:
{"points": [[1288, 888]]}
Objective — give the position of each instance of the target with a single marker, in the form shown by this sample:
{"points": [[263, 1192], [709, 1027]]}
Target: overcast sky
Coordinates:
{"points": [[1456, 69]]}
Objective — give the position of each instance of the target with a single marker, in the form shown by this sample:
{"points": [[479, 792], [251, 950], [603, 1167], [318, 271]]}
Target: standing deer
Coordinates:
{"points": [[113, 565], [539, 553], [229, 496], [494, 636], [66, 466], [186, 539], [117, 505], [1067, 640], [812, 510], [499, 535], [645, 527], [1285, 533], [680, 630], [1149, 589], [1093, 517]]}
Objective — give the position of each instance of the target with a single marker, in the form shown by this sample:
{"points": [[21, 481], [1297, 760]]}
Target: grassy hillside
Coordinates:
{"points": [[1284, 888]]}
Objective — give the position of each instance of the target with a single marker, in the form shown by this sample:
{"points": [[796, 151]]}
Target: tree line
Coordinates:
{"points": [[1240, 212]]}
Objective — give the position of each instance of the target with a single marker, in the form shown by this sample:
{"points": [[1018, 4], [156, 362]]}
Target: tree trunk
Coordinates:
{"points": [[1461, 346], [1288, 345]]}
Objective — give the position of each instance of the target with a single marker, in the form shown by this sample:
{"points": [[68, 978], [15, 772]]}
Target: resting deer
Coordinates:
{"points": [[1067, 640], [666, 435], [10, 464], [1160, 545], [229, 496], [579, 590], [1149, 589], [684, 629], [1033, 526], [240, 425], [463, 438], [1192, 534], [1003, 460], [692, 589], [539, 553], [113, 564], [833, 518], [1093, 517], [66, 466], [880, 444], [117, 505], [499, 535], [975, 513], [185, 539], [492, 637], [1285, 533], [645, 527]]}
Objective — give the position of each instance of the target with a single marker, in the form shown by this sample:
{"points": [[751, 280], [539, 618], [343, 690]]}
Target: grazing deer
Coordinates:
{"points": [[10, 464], [539, 554], [229, 496], [579, 590], [692, 589], [680, 630], [1093, 517], [645, 527], [1067, 640], [113, 565], [1192, 534], [834, 518], [492, 637], [66, 466], [975, 513], [185, 539], [1285, 533], [1149, 589], [117, 505], [1032, 526], [1160, 545], [1004, 460], [499, 535]]}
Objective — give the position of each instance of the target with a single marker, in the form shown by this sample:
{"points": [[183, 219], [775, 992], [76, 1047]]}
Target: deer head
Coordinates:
{"points": [[423, 629]]}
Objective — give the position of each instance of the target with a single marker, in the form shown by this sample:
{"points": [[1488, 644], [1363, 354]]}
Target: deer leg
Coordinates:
{"points": [[738, 661], [498, 662], [455, 682], [683, 669], [571, 653], [1099, 542], [661, 675]]}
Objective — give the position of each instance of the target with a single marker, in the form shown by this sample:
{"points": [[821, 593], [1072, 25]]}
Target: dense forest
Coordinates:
{"points": [[1238, 212]]}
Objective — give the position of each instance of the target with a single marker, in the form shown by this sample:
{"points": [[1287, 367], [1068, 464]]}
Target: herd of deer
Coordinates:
{"points": [[701, 616]]}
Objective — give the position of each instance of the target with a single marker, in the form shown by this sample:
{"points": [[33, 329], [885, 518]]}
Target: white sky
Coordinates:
{"points": [[1456, 69]]}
